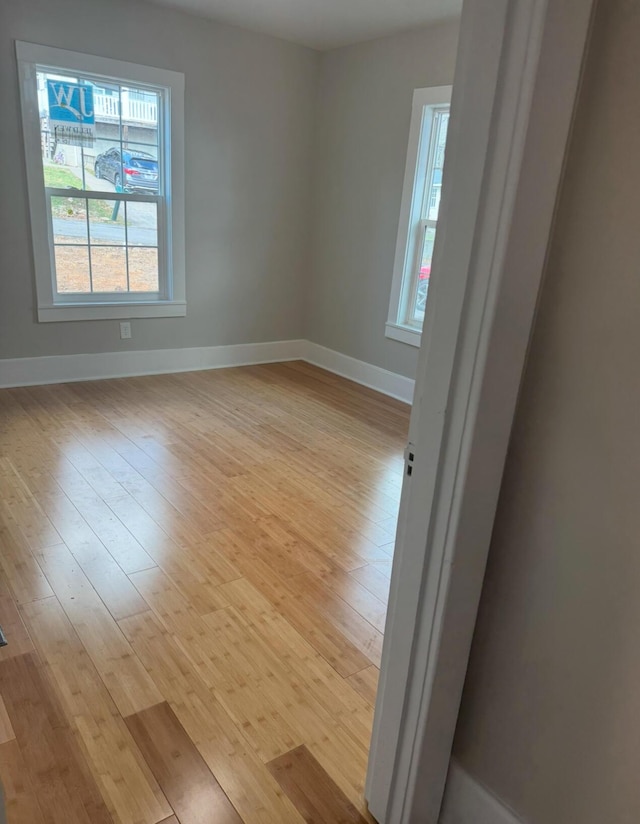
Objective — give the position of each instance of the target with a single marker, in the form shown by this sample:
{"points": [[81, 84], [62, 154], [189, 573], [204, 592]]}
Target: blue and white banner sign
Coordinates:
{"points": [[71, 112]]}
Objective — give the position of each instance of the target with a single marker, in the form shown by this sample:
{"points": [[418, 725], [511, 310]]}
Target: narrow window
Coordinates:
{"points": [[419, 213]]}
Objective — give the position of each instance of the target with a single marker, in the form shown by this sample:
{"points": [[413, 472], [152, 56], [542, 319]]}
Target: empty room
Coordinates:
{"points": [[196, 549], [268, 279]]}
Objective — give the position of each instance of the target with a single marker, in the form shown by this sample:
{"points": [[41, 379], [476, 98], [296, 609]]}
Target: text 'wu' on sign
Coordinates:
{"points": [[71, 112]]}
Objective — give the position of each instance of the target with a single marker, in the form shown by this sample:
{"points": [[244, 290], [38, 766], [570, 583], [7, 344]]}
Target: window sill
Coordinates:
{"points": [[404, 334], [111, 311]]}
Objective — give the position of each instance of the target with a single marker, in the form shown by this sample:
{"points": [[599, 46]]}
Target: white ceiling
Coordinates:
{"points": [[323, 24]]}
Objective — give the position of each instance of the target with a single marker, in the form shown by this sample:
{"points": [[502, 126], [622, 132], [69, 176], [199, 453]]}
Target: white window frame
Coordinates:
{"points": [[171, 300], [411, 223]]}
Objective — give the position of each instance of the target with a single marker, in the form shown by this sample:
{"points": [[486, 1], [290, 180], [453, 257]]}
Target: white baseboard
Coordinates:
{"points": [[366, 374], [86, 367], [466, 801], [68, 368]]}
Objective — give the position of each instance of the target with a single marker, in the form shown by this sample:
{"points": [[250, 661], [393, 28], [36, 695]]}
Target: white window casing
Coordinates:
{"points": [[169, 300], [404, 321]]}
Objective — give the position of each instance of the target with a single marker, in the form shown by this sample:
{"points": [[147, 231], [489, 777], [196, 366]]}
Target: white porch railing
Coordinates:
{"points": [[133, 111]]}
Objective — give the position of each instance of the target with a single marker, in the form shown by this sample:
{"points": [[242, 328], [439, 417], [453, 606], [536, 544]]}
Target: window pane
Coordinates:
{"points": [[109, 268], [102, 161], [64, 164], [140, 109], [434, 173], [143, 269], [106, 222], [72, 269], [142, 224], [140, 140], [424, 273], [69, 220]]}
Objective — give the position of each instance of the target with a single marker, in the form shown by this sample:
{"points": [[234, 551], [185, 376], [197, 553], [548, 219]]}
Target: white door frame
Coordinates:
{"points": [[517, 77]]}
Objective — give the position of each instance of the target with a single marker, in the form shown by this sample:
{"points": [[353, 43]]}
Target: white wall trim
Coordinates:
{"points": [[517, 78], [86, 367], [104, 311], [404, 334], [466, 801], [366, 374]]}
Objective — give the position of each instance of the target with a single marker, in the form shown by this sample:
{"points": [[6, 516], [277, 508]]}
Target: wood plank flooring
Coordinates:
{"points": [[185, 779], [311, 789], [194, 572]]}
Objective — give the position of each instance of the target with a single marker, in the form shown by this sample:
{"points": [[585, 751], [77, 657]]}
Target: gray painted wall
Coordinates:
{"points": [[364, 111], [550, 718], [294, 172], [250, 109]]}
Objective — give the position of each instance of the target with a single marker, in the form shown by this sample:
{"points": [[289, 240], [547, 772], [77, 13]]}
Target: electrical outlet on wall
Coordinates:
{"points": [[125, 330]]}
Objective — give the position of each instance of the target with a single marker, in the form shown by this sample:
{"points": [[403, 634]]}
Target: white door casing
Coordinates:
{"points": [[516, 82]]}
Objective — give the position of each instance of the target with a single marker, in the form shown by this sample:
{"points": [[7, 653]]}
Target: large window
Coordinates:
{"points": [[104, 153], [419, 213]]}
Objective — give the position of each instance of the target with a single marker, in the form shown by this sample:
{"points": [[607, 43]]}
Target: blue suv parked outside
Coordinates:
{"points": [[133, 171]]}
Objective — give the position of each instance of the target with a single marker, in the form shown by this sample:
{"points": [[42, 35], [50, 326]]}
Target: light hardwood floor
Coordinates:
{"points": [[194, 573]]}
